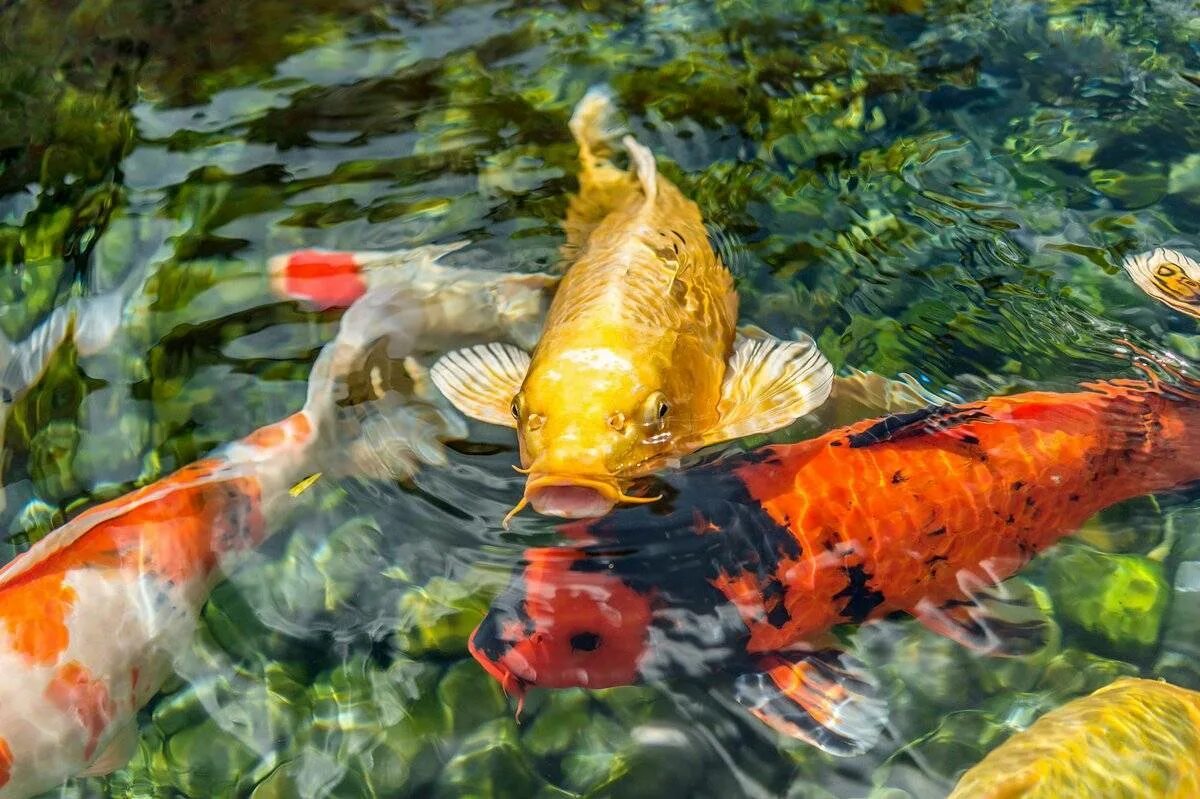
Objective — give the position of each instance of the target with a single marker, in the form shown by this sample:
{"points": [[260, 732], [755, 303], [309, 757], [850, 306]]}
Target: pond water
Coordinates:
{"points": [[942, 188]]}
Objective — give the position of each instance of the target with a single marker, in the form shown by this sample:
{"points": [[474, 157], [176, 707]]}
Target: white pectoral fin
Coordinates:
{"points": [[481, 381], [769, 383], [116, 754]]}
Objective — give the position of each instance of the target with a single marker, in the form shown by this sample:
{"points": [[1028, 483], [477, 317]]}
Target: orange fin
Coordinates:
{"points": [[826, 698], [1006, 620]]}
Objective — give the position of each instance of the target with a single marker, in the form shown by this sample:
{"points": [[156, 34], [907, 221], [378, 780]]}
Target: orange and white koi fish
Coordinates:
{"points": [[91, 615], [639, 363]]}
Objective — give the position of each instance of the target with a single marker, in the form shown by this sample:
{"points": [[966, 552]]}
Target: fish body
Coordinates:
{"points": [[757, 557], [1133, 738], [639, 362], [92, 615]]}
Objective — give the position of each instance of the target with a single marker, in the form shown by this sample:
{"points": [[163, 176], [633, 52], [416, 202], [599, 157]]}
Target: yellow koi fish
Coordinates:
{"points": [[639, 362], [1132, 738]]}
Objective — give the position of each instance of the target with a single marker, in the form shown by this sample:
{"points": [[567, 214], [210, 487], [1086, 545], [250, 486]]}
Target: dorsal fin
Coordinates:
{"points": [[642, 161], [935, 418]]}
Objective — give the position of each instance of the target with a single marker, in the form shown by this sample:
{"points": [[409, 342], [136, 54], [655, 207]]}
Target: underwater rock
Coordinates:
{"points": [[490, 764], [439, 617], [205, 762], [471, 697], [1116, 600]]}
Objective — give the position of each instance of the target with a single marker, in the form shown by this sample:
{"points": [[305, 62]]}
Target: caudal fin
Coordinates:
{"points": [[1168, 276], [595, 126]]}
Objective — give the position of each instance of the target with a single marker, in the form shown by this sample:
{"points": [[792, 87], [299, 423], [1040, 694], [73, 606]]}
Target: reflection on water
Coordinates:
{"points": [[944, 189]]}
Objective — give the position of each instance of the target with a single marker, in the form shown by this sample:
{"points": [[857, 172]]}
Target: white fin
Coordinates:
{"points": [[594, 124], [769, 383], [643, 164], [481, 381], [881, 395], [1168, 276], [119, 751]]}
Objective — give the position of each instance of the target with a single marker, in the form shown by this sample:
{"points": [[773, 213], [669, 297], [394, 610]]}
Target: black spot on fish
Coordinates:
{"points": [[585, 642], [937, 532], [1029, 502], [1010, 519], [1017, 486], [898, 477], [933, 419], [935, 560], [860, 598], [1073, 498], [773, 594], [836, 444]]}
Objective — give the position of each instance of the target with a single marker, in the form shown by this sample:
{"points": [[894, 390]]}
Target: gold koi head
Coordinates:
{"points": [[581, 452]]}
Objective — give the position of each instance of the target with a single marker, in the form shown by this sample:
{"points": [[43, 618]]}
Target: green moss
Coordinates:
{"points": [[1116, 600]]}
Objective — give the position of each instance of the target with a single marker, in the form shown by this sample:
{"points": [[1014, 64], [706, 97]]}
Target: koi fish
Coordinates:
{"points": [[91, 614], [755, 559], [1132, 738], [457, 301], [639, 362]]}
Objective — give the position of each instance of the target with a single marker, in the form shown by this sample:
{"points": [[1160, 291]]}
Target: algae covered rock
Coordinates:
{"points": [[439, 617], [1117, 601]]}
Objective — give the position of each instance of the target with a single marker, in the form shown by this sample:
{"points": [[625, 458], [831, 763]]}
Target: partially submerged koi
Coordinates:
{"points": [[1132, 738], [758, 557], [639, 363]]}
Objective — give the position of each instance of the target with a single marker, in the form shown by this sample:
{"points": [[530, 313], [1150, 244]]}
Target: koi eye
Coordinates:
{"points": [[515, 409], [585, 642], [663, 409]]}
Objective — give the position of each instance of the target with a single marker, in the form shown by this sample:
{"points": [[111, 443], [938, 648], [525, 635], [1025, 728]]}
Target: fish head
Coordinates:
{"points": [[607, 614], [588, 423]]}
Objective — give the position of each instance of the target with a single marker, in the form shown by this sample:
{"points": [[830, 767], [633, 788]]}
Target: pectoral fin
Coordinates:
{"points": [[1005, 620], [826, 698], [481, 381], [116, 754], [769, 383]]}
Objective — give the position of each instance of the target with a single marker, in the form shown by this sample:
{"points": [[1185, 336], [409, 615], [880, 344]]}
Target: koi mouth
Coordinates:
{"points": [[572, 497]]}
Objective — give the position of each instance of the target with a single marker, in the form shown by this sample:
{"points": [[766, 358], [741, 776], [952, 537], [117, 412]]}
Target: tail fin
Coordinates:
{"points": [[595, 126], [1168, 276]]}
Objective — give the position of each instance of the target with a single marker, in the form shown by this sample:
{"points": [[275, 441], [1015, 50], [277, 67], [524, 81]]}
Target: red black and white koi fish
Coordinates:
{"points": [[755, 559]]}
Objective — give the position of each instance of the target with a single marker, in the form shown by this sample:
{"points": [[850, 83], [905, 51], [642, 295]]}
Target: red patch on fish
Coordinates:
{"points": [[34, 615], [77, 692], [297, 426], [326, 279], [6, 762], [174, 529]]}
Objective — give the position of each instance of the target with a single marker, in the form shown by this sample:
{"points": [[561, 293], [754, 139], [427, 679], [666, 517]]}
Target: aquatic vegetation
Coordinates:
{"points": [[943, 188]]}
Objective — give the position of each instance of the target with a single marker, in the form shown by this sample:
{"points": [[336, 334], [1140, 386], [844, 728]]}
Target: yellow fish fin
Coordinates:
{"points": [[602, 187], [642, 161], [481, 381], [305, 484], [116, 753], [769, 383], [1168, 276]]}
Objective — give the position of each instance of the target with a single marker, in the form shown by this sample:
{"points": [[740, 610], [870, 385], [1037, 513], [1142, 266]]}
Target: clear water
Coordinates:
{"points": [[943, 188]]}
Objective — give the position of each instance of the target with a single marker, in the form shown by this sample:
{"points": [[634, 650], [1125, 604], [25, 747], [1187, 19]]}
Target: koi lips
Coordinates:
{"points": [[572, 497]]}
